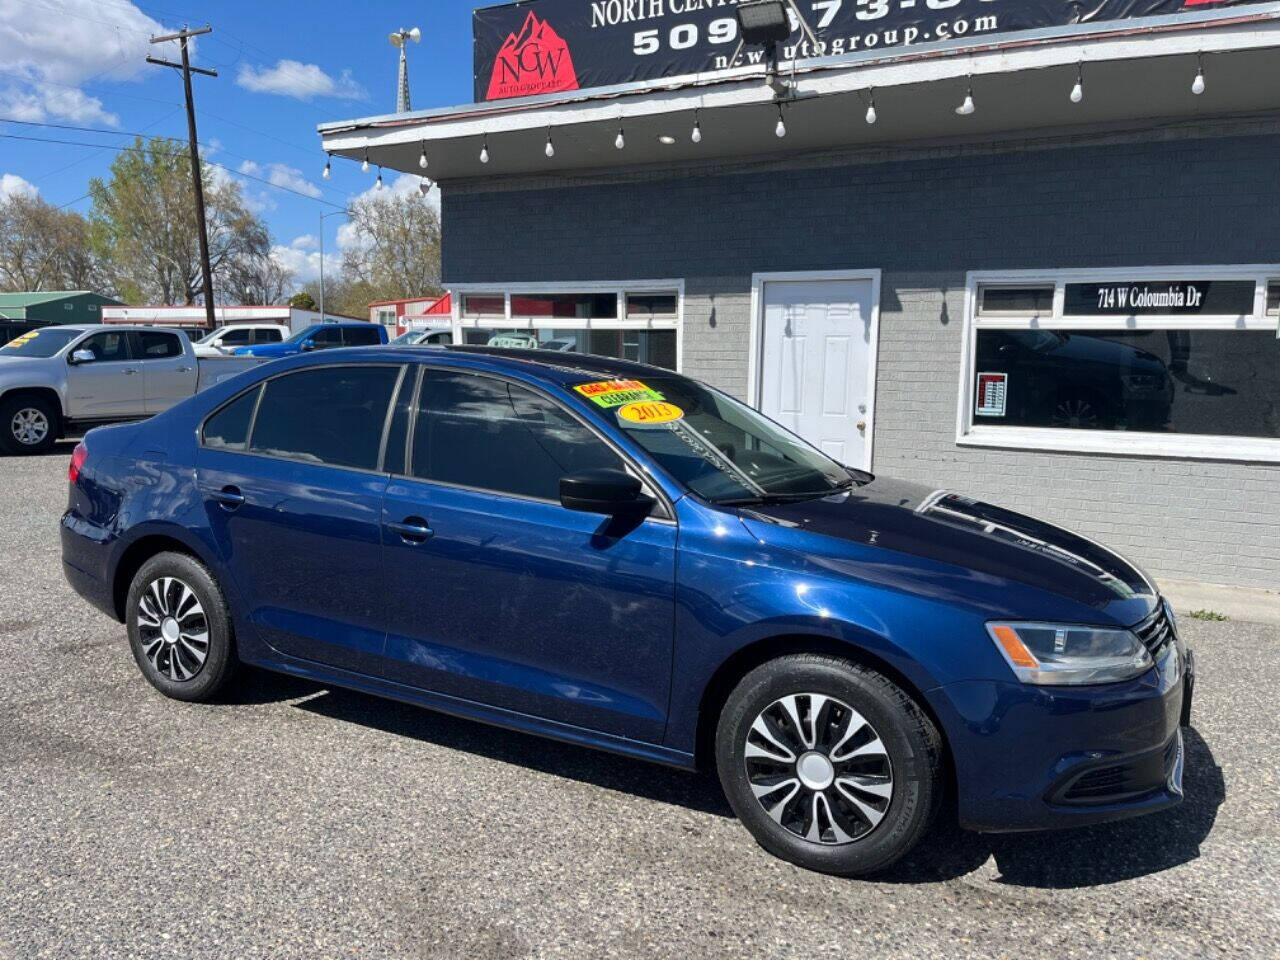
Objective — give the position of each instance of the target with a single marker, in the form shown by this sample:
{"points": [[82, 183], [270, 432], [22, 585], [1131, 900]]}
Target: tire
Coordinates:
{"points": [[178, 588], [871, 804], [28, 425]]}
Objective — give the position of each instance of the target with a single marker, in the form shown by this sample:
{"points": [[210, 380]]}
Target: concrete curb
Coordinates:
{"points": [[1251, 604]]}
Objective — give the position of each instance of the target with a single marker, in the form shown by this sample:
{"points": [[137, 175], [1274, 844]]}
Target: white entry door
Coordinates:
{"points": [[817, 371]]}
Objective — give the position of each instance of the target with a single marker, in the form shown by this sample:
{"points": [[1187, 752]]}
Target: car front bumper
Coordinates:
{"points": [[1038, 758]]}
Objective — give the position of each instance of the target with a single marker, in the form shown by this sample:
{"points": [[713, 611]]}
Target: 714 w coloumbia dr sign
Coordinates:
{"points": [[1131, 298], [549, 46]]}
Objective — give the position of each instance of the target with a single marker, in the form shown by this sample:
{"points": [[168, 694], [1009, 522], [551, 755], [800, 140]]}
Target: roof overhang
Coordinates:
{"points": [[1140, 71]]}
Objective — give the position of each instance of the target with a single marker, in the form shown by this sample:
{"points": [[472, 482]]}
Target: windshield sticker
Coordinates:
{"points": [[17, 342], [617, 393], [650, 413]]}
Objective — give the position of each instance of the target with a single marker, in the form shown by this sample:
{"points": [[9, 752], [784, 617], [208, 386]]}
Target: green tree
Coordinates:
{"points": [[44, 248], [144, 226], [394, 247], [302, 300]]}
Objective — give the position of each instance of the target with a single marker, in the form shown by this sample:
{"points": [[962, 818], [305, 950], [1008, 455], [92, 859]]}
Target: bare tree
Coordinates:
{"points": [[396, 248], [44, 248]]}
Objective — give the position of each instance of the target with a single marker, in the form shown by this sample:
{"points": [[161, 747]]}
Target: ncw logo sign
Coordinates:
{"points": [[536, 60]]}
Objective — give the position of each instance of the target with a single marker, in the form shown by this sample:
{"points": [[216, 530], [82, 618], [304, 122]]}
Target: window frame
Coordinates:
{"points": [[261, 387], [620, 288], [664, 509], [970, 433]]}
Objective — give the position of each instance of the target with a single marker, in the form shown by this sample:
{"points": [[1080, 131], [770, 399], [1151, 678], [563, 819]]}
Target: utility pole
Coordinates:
{"points": [[183, 36]]}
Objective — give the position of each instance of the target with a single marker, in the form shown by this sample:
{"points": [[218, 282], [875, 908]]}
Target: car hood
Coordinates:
{"points": [[267, 350], [999, 545], [1078, 346]]}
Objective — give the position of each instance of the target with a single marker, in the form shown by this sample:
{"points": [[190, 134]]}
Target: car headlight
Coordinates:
{"points": [[1051, 653]]}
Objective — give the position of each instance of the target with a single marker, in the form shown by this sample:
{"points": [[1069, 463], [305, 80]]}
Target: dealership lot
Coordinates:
{"points": [[302, 821]]}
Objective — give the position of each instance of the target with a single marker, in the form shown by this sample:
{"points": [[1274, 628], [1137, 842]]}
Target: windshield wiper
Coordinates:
{"points": [[774, 498]]}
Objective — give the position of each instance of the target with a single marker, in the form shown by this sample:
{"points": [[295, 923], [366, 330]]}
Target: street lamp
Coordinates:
{"points": [[401, 39], [332, 213]]}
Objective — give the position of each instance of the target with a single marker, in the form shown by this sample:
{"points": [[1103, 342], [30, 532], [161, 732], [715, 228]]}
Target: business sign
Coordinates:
{"points": [[550, 46], [1135, 298], [993, 389]]}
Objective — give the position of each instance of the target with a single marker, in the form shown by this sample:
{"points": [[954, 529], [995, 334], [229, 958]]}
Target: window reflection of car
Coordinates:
{"points": [[1073, 380], [425, 336], [563, 344], [514, 341]]}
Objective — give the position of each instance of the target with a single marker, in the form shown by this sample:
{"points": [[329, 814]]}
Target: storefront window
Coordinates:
{"points": [[657, 347], [484, 305], [1209, 382], [583, 306], [1005, 301], [651, 306], [1141, 362]]}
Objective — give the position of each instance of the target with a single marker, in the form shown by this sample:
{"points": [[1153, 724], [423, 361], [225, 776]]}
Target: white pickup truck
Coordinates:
{"points": [[58, 380]]}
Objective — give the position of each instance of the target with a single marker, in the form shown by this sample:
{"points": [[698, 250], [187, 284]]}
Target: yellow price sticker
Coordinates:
{"points": [[650, 413], [24, 338]]}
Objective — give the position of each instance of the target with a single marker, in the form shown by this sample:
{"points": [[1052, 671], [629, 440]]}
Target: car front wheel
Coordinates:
{"points": [[179, 628], [829, 764], [29, 425]]}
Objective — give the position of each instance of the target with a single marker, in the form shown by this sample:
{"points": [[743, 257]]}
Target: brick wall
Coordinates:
{"points": [[1202, 194]]}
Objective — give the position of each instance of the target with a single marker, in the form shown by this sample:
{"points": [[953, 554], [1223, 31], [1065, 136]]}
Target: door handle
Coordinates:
{"points": [[184, 369], [129, 371], [229, 496], [412, 530]]}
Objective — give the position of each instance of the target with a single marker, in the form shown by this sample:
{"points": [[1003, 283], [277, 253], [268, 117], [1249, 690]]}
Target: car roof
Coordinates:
{"points": [[554, 365]]}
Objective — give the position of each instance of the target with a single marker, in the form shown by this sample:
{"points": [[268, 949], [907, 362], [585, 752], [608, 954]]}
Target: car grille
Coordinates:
{"points": [[1121, 781], [1156, 632]]}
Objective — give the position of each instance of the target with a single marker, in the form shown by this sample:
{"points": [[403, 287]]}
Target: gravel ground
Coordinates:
{"points": [[299, 821]]}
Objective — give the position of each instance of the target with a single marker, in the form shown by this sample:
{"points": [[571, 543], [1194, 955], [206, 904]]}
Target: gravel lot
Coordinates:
{"points": [[305, 822]]}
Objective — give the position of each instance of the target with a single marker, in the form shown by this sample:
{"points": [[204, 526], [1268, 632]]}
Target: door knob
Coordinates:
{"points": [[862, 424]]}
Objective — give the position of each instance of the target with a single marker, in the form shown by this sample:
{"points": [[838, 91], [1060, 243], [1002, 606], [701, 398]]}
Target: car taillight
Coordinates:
{"points": [[78, 457]]}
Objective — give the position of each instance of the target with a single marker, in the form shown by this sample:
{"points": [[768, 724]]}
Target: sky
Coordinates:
{"points": [[284, 66]]}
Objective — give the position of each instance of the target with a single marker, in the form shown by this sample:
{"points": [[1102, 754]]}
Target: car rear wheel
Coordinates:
{"points": [[29, 425], [179, 628], [829, 764]]}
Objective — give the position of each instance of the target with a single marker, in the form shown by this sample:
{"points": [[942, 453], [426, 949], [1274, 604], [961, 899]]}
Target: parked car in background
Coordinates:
{"points": [[59, 379], [223, 341], [425, 336], [618, 556], [321, 336], [12, 329]]}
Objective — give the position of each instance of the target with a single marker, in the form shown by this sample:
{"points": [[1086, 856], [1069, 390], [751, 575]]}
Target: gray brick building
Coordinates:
{"points": [[1067, 308]]}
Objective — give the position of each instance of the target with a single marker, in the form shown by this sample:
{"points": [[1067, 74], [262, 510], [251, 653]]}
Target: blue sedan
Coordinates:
{"points": [[618, 556]]}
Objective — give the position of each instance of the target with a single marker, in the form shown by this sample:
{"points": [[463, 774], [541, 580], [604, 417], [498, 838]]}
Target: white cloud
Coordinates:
{"points": [[281, 175], [53, 54], [12, 185], [302, 259], [302, 81]]}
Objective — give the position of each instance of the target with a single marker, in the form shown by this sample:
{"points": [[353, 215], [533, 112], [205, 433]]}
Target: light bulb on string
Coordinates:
{"points": [[484, 150], [378, 183], [968, 107], [781, 129], [422, 157], [1198, 85], [1077, 92], [550, 149], [364, 167], [696, 136], [872, 116], [328, 168], [619, 141]]}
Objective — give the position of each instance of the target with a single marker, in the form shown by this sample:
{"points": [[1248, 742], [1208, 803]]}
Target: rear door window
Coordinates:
{"points": [[267, 335], [228, 428], [154, 345], [330, 415], [327, 337], [360, 336], [236, 338], [476, 431]]}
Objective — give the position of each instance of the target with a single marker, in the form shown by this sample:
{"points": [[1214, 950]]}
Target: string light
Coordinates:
{"points": [[968, 107], [781, 129], [619, 141], [696, 136], [550, 149], [484, 150], [328, 168], [1197, 85], [364, 167], [1077, 92], [422, 157], [378, 184], [425, 186], [872, 116]]}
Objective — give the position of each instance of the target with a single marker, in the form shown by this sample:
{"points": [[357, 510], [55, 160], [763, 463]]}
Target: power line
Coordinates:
{"points": [[212, 163], [149, 136]]}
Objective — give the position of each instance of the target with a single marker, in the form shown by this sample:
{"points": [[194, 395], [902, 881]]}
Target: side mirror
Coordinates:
{"points": [[308, 344], [82, 356], [610, 492]]}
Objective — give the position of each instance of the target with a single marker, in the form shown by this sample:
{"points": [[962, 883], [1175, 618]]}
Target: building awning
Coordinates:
{"points": [[1135, 72]]}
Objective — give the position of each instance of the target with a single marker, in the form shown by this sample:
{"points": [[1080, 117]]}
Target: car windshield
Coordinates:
{"points": [[39, 343], [413, 336], [212, 334], [719, 448]]}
